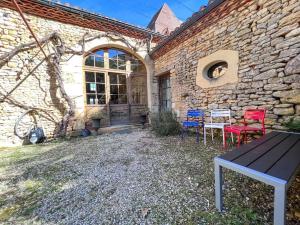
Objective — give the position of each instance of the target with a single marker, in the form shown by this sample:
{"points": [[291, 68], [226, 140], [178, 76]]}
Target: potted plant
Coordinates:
{"points": [[96, 117], [143, 116]]}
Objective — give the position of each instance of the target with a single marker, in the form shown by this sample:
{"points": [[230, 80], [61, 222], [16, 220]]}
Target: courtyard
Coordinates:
{"points": [[130, 177], [71, 69]]}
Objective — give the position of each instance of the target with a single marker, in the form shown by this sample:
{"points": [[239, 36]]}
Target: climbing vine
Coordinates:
{"points": [[57, 50]]}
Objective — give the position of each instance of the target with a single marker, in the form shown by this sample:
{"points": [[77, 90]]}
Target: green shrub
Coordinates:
{"points": [[293, 125], [165, 124]]}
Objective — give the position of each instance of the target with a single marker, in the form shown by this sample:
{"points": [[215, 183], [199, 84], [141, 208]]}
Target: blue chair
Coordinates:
{"points": [[194, 119]]}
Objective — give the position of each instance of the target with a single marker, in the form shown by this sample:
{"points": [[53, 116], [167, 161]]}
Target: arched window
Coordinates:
{"points": [[114, 76]]}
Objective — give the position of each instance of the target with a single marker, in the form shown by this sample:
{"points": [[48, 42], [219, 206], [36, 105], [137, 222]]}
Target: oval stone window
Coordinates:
{"points": [[217, 70]]}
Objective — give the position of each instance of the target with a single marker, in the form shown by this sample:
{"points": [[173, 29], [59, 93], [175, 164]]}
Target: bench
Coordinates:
{"points": [[273, 159]]}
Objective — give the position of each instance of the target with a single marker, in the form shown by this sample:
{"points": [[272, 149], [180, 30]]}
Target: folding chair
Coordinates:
{"points": [[218, 113], [194, 119], [249, 114]]}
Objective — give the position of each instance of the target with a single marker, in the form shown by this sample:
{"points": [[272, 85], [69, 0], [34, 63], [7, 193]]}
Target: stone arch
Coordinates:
{"points": [[117, 46], [136, 84], [141, 54]]}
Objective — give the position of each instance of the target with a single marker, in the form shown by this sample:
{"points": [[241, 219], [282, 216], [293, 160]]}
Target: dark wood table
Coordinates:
{"points": [[273, 159]]}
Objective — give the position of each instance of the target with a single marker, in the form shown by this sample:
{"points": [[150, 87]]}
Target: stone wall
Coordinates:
{"points": [[40, 90], [266, 35]]}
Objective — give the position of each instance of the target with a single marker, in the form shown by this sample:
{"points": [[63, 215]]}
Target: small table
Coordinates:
{"points": [[273, 159]]}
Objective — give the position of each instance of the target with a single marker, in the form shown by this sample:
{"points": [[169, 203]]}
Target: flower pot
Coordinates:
{"points": [[143, 119], [96, 123]]}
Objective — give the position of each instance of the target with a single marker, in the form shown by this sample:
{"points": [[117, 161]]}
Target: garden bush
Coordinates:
{"points": [[165, 124], [293, 125]]}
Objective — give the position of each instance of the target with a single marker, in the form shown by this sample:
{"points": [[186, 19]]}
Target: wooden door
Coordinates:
{"points": [[118, 103]]}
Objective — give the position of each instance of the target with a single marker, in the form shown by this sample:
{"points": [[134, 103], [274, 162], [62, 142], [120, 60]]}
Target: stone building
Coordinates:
{"points": [[111, 77], [232, 54], [164, 21]]}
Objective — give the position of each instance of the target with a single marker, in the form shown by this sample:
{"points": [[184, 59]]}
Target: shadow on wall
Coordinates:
{"points": [[51, 110]]}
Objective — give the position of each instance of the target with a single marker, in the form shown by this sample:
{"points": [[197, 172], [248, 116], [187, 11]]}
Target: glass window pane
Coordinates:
{"points": [[122, 65], [122, 79], [122, 56], [100, 78], [122, 99], [113, 78], [101, 99], [122, 89], [91, 99], [90, 61], [112, 53], [113, 64], [114, 99], [168, 82], [100, 88], [99, 62], [134, 65], [89, 77], [90, 87], [114, 89], [100, 53]]}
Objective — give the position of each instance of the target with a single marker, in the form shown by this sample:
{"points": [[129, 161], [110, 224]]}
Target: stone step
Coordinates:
{"points": [[119, 129]]}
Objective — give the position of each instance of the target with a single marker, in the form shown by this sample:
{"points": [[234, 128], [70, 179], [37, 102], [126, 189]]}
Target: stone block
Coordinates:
{"points": [[297, 107], [283, 106], [293, 66], [257, 84], [285, 30], [279, 127], [287, 43], [276, 87], [284, 111], [290, 19], [291, 52], [293, 33], [286, 94], [292, 79], [266, 75]]}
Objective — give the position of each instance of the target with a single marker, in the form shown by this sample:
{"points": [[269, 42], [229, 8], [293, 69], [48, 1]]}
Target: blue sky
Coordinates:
{"points": [[137, 12]]}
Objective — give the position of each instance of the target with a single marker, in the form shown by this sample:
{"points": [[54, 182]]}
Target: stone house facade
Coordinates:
{"points": [[119, 46], [232, 54], [259, 41]]}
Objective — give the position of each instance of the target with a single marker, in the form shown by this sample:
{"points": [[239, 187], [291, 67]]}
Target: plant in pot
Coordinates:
{"points": [[96, 117], [143, 116]]}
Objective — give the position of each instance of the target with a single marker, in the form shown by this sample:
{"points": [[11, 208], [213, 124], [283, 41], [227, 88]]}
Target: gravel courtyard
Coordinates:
{"points": [[128, 178]]}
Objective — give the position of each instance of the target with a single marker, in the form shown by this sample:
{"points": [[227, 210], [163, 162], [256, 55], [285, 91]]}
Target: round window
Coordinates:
{"points": [[217, 70]]}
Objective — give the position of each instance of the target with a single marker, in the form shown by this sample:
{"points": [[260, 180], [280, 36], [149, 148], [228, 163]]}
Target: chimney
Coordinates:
{"points": [[203, 7]]}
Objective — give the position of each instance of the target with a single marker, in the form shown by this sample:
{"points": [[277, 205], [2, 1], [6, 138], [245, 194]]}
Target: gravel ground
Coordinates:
{"points": [[129, 178]]}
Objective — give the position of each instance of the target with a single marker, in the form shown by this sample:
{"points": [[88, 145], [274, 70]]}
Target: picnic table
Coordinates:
{"points": [[273, 159]]}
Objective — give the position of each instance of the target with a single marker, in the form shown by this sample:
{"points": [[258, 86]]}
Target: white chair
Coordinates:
{"points": [[217, 114]]}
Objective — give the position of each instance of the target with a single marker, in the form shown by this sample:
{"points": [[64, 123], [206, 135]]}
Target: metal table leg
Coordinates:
{"points": [[204, 135], [279, 204], [218, 186]]}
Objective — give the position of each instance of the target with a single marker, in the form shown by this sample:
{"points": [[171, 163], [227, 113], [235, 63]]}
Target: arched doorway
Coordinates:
{"points": [[115, 85]]}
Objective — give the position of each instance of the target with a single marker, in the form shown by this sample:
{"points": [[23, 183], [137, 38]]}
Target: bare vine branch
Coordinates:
{"points": [[57, 50], [24, 47]]}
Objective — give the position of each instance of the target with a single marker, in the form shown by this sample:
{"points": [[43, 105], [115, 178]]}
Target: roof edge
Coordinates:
{"points": [[83, 12], [190, 22]]}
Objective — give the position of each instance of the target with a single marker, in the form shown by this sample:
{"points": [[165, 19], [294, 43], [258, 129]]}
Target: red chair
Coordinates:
{"points": [[239, 130]]}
